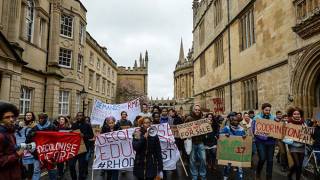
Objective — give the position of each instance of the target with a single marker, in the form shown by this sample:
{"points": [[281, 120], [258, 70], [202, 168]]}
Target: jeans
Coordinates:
{"points": [[82, 166], [198, 151], [36, 170], [265, 153], [227, 171]]}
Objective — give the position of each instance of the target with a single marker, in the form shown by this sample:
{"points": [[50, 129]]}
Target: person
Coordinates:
{"points": [[164, 118], [296, 149], [265, 145], [145, 111], [246, 123], [239, 116], [63, 125], [10, 166], [278, 116], [124, 123], [136, 120], [251, 114], [156, 118], [110, 126], [148, 160], [87, 134], [210, 141], [21, 137], [198, 149], [176, 119], [43, 125], [155, 109], [316, 143], [234, 129]]}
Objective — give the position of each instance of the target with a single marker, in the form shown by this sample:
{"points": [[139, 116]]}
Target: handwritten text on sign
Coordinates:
{"points": [[234, 150], [298, 133], [114, 149], [195, 128], [102, 110]]}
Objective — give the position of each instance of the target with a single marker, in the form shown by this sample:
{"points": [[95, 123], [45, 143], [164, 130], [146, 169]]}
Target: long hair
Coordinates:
{"points": [[33, 116]]}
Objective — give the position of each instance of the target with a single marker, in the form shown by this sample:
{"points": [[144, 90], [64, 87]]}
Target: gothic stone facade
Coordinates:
{"points": [[248, 52]]}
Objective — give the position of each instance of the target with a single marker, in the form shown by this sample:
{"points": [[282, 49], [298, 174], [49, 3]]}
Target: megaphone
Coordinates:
{"points": [[29, 147], [152, 131]]}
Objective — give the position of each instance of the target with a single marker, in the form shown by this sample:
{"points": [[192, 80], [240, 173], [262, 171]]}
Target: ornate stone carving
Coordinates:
{"points": [[56, 5], [308, 27]]}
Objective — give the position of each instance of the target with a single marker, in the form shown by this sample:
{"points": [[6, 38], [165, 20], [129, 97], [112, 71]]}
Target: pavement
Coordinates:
{"points": [[179, 174]]}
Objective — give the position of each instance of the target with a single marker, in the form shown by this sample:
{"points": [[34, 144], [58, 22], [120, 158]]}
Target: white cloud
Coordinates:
{"points": [[128, 27]]}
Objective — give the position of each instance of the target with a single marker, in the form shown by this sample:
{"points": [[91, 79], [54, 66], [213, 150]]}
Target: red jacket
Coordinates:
{"points": [[10, 166]]}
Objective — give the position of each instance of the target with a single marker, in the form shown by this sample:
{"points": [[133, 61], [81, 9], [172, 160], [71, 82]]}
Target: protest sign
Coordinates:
{"points": [[265, 127], [102, 110], [234, 150], [57, 146], [194, 128], [114, 150], [299, 133]]}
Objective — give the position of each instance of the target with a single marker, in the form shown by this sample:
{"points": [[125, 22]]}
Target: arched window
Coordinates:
{"points": [[29, 19]]}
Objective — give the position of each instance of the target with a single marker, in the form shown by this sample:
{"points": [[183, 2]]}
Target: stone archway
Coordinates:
{"points": [[304, 80]]}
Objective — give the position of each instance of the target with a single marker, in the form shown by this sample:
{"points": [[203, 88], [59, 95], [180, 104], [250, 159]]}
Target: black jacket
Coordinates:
{"points": [[211, 138], [316, 137], [148, 160], [123, 123], [87, 132], [177, 120]]}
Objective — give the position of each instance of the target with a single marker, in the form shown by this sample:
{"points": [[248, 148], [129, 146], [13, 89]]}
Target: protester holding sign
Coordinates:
{"points": [[21, 137], [86, 134], [148, 160], [234, 129], [109, 126], [316, 142], [296, 148], [198, 148], [265, 145], [9, 156], [43, 125], [63, 125]]}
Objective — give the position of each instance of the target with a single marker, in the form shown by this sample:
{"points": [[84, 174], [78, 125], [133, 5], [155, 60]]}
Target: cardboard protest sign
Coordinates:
{"points": [[316, 114], [299, 133], [114, 150], [102, 110], [57, 147], [194, 128], [174, 131], [265, 127], [234, 150]]}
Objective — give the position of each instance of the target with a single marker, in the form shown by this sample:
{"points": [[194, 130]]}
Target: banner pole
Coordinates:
{"points": [[184, 168]]}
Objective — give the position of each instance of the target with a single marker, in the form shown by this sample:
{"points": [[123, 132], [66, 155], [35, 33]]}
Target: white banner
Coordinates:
{"points": [[114, 150], [102, 110]]}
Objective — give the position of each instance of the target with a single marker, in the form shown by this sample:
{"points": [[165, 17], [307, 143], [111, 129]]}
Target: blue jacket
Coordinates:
{"points": [[21, 137], [233, 132]]}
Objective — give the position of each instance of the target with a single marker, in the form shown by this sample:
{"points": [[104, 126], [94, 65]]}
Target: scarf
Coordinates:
{"points": [[291, 120]]}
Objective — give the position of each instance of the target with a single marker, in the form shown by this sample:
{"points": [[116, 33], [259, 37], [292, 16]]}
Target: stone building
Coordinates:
{"points": [[100, 73], [248, 52], [44, 57], [133, 81], [183, 81], [162, 102]]}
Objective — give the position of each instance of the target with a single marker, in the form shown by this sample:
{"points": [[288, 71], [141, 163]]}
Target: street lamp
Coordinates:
{"points": [[83, 94]]}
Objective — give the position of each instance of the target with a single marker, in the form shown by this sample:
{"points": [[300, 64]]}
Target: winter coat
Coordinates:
{"points": [[148, 160], [10, 166], [211, 138], [87, 132], [196, 139], [263, 139]]}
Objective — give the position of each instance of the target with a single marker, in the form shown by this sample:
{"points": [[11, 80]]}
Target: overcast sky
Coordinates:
{"points": [[128, 27]]}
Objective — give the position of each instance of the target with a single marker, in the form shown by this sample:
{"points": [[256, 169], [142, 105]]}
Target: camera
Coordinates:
{"points": [[29, 147]]}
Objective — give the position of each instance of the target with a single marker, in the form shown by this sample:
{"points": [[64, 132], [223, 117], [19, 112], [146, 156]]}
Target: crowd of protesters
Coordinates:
{"points": [[18, 164]]}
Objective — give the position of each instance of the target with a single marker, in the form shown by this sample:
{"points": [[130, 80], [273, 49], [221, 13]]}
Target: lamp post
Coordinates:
{"points": [[83, 95]]}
